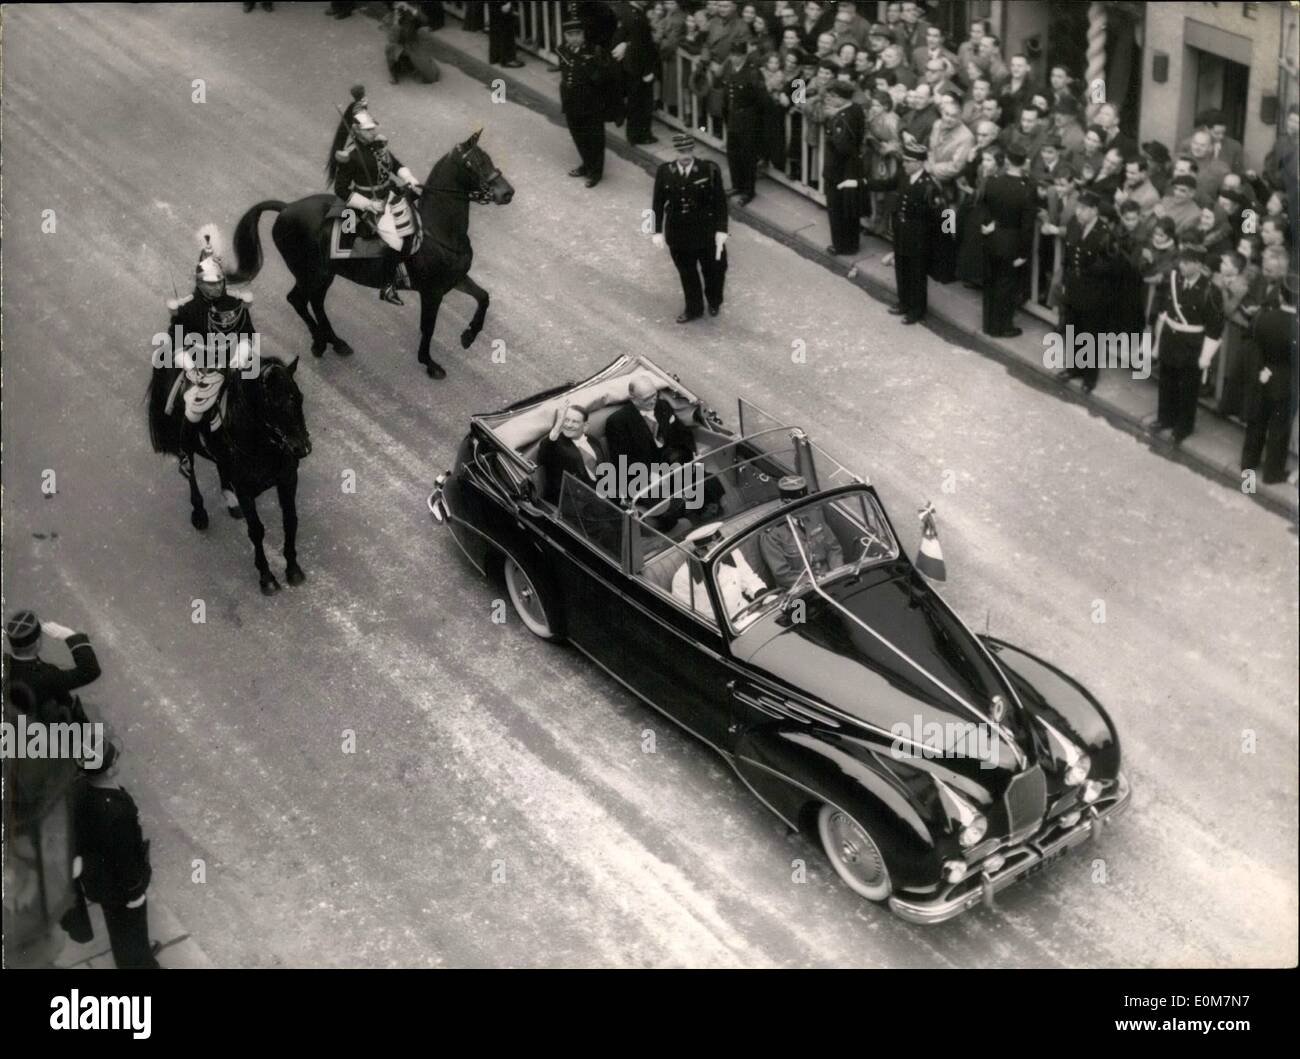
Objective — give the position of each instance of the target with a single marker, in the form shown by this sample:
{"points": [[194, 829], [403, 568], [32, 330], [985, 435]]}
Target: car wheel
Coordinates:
{"points": [[853, 854], [527, 600]]}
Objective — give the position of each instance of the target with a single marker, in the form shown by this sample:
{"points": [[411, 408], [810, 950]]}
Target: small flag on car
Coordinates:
{"points": [[929, 557]]}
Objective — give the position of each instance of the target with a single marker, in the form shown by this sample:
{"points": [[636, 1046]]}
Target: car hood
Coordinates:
{"points": [[913, 664]]}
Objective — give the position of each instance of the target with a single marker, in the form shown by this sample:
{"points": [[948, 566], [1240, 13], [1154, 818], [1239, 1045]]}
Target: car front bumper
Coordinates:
{"points": [[1016, 863]]}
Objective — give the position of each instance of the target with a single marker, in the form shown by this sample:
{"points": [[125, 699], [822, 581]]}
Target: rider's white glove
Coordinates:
{"points": [[658, 240], [719, 240]]}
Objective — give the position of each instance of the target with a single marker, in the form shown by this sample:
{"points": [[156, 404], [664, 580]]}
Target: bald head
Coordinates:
{"points": [[642, 390]]}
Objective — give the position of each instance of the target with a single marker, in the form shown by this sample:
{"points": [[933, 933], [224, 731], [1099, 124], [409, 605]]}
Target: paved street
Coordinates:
{"points": [[499, 810]]}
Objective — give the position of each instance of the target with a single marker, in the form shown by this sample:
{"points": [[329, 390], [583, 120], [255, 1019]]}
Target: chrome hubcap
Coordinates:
{"points": [[857, 853]]}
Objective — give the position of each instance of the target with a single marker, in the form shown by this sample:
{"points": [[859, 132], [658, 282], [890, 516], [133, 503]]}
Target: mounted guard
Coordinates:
{"points": [[370, 179], [211, 334]]}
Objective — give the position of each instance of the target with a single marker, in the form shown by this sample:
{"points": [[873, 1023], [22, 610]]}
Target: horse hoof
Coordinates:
{"points": [[467, 338], [318, 348], [342, 348], [270, 586], [199, 519], [235, 512], [294, 575], [435, 370]]}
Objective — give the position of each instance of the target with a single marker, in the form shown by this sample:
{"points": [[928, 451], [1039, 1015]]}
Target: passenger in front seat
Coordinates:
{"points": [[737, 582]]}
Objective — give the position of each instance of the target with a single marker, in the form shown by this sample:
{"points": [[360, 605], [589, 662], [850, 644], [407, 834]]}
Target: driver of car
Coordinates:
{"points": [[777, 543], [737, 582]]}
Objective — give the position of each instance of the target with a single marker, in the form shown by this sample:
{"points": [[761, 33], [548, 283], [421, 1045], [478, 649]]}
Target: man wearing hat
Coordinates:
{"points": [[777, 543], [1270, 395], [367, 177], [1189, 328], [738, 585], [112, 859], [210, 334], [842, 175], [48, 685], [1008, 210], [917, 215], [744, 97], [690, 209], [1088, 279], [585, 76]]}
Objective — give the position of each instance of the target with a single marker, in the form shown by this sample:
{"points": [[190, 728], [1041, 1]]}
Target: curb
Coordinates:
{"points": [[941, 323]]}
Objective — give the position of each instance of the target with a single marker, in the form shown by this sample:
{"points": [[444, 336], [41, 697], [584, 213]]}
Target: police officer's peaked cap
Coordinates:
{"points": [[1016, 156], [792, 487], [23, 629], [841, 88], [571, 23], [683, 141]]}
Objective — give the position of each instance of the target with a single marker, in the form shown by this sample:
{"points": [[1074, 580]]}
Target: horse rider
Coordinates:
{"points": [[211, 334], [369, 178]]}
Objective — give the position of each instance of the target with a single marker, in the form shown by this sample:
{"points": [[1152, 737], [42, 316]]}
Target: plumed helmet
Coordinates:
{"points": [[209, 269]]}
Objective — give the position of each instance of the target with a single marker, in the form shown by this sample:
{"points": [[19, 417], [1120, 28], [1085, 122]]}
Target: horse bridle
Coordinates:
{"points": [[483, 193], [274, 430]]}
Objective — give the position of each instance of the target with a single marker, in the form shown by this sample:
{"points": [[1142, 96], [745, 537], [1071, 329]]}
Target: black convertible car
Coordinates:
{"points": [[936, 766]]}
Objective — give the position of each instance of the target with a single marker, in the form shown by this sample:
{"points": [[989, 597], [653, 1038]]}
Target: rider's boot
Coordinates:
{"points": [[188, 443], [388, 288]]}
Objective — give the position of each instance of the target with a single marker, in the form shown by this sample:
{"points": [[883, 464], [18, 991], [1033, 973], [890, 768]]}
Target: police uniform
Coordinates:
{"points": [[842, 176], [639, 62], [919, 209], [1191, 326], [1010, 204], [690, 209], [115, 869], [585, 75], [48, 688], [781, 553], [744, 95], [1088, 278]]}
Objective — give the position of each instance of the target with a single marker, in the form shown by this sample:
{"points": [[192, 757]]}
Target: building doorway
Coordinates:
{"points": [[1221, 84]]}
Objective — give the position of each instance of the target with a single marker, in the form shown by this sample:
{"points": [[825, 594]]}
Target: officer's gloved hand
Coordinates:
{"points": [[658, 240], [719, 240]]}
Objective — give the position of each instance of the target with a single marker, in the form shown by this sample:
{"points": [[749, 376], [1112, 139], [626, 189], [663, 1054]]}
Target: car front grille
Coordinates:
{"points": [[1026, 802]]}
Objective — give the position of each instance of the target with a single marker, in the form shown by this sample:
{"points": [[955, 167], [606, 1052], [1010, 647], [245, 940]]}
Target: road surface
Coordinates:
{"points": [[499, 809]]}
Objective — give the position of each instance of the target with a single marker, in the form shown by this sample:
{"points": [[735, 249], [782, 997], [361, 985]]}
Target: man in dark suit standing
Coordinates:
{"points": [[1088, 281], [503, 25], [1007, 223], [634, 47], [690, 211], [743, 100], [584, 78], [1270, 400], [916, 217], [842, 174]]}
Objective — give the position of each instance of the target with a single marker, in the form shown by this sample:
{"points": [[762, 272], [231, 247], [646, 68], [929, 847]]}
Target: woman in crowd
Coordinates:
{"points": [[771, 143], [986, 162], [1237, 358], [1159, 258], [883, 149], [668, 33]]}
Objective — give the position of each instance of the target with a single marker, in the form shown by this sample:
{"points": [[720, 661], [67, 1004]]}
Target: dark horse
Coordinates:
{"points": [[261, 439], [463, 175]]}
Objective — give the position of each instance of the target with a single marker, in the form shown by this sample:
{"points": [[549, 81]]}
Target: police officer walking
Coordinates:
{"points": [[1009, 208], [584, 78], [744, 96], [690, 209], [1088, 279], [1189, 327], [48, 687], [112, 859], [916, 217]]}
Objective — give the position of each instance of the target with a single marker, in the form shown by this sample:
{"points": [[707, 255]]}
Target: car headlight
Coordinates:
{"points": [[974, 831], [1078, 770]]}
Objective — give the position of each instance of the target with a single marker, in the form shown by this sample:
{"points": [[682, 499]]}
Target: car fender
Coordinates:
{"points": [[793, 770], [1062, 701]]}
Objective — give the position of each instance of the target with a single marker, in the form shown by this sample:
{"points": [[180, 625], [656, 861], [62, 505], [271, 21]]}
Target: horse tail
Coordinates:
{"points": [[164, 430], [248, 243]]}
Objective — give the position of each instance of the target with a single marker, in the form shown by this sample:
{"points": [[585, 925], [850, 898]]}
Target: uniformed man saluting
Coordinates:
{"points": [[585, 77], [916, 217], [744, 96], [690, 211], [48, 687]]}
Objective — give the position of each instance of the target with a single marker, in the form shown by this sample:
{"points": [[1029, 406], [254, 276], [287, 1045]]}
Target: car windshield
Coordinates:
{"points": [[812, 544]]}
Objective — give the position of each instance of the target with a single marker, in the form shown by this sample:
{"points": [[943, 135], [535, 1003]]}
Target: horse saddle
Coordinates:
{"points": [[351, 234]]}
